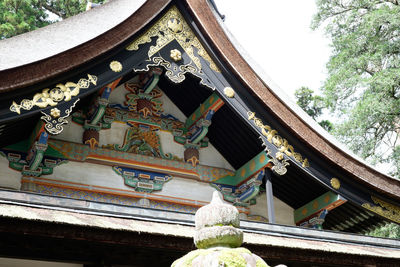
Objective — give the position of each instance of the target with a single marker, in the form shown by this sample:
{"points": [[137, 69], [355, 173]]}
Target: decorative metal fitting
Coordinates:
{"points": [[55, 112], [176, 55], [335, 183], [116, 66], [229, 92]]}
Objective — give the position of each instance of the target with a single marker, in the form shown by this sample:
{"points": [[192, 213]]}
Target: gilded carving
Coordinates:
{"points": [[51, 97], [172, 26], [229, 92], [280, 143], [335, 183], [54, 124], [384, 209], [176, 55], [116, 66], [55, 112]]}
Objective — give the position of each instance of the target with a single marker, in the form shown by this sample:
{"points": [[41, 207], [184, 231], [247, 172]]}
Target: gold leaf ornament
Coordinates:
{"points": [[55, 112], [116, 66], [51, 97], [176, 55], [229, 92], [172, 26], [335, 183]]}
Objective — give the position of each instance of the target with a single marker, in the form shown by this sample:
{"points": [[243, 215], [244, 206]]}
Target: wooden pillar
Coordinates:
{"points": [[270, 195]]}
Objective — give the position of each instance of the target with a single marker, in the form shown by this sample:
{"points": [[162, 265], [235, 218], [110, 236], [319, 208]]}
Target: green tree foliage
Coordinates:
{"points": [[363, 84], [312, 105], [390, 230], [19, 16]]}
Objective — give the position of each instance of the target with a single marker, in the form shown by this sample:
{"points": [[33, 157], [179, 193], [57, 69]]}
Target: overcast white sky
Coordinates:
{"points": [[278, 37]]}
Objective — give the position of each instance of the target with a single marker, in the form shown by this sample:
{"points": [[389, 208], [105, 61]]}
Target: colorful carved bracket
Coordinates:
{"points": [[94, 123], [242, 187], [253, 166], [316, 221], [31, 161], [19, 161], [144, 98], [327, 201], [142, 181], [244, 194]]}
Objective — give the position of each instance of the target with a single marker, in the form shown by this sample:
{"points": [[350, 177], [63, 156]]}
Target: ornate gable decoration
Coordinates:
{"points": [[173, 27]]}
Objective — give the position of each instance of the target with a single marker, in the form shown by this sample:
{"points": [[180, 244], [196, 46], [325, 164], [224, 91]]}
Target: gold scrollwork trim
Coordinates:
{"points": [[384, 209], [51, 97], [176, 75], [281, 144], [172, 26]]}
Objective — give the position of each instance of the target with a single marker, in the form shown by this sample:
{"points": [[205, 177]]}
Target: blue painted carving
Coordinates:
{"points": [[142, 181]]}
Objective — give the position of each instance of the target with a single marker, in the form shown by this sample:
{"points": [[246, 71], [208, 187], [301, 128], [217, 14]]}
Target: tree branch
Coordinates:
{"points": [[54, 11]]}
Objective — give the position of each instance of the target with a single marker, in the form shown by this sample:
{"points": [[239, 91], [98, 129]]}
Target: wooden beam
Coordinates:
{"points": [[327, 201]]}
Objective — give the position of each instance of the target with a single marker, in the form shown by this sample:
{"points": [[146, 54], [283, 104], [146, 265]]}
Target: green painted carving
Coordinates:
{"points": [[144, 141], [213, 102], [244, 194], [249, 169], [327, 201], [19, 162], [142, 181]]}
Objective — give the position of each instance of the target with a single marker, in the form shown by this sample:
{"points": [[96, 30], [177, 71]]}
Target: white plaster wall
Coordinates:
{"points": [[187, 188], [9, 178], [283, 212], [72, 132], [168, 144], [100, 175], [114, 135], [211, 157], [170, 108], [117, 96], [87, 173]]}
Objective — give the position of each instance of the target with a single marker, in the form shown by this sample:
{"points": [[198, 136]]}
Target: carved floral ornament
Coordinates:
{"points": [[280, 143], [116, 66]]}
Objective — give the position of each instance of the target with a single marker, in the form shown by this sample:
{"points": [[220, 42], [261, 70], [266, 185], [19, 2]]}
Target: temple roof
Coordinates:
{"points": [[74, 47], [64, 35]]}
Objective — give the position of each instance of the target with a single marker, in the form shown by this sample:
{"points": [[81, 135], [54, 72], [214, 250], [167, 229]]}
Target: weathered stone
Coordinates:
{"points": [[218, 239]]}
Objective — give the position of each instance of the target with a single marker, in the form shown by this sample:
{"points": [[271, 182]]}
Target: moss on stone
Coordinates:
{"points": [[233, 257], [230, 257]]}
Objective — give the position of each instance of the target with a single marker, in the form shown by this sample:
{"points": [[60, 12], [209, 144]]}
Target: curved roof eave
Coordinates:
{"points": [[282, 107], [74, 41]]}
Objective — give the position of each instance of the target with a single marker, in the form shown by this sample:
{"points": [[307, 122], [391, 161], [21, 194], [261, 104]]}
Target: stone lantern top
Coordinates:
{"points": [[218, 239]]}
